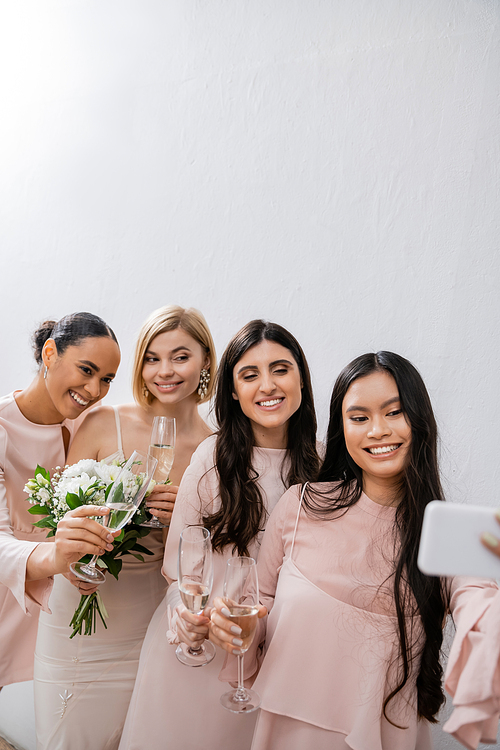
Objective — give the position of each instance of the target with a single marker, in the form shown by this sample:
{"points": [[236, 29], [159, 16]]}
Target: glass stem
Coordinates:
{"points": [[92, 563], [241, 693]]}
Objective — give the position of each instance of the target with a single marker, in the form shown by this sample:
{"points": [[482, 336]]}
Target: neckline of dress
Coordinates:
{"points": [[276, 451], [37, 424], [378, 510]]}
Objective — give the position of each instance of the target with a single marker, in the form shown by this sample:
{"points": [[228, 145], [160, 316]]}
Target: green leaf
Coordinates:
{"points": [[139, 517], [118, 493], [73, 501], [40, 470], [39, 510], [125, 546], [119, 538], [46, 523], [52, 532], [130, 534], [114, 567], [144, 550], [137, 557]]}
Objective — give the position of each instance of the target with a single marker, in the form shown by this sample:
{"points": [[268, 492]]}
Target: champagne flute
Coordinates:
{"points": [[241, 597], [161, 447], [123, 499], [195, 585]]}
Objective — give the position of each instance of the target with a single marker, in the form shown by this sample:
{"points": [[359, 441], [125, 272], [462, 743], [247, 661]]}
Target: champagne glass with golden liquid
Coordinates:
{"points": [[241, 597], [161, 447]]}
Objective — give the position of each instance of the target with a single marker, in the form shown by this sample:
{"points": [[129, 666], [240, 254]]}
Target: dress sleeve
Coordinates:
{"points": [[14, 554], [473, 671], [271, 556], [197, 492]]}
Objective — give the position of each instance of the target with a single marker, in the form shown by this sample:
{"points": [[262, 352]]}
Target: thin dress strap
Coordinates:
{"points": [[297, 519], [118, 429]]}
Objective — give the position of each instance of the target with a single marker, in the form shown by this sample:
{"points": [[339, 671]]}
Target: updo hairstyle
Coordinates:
{"points": [[69, 331]]}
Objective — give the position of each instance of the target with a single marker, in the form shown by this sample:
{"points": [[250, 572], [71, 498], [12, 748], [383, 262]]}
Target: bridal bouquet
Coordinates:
{"points": [[87, 482]]}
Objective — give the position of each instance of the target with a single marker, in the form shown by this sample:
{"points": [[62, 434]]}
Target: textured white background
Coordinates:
{"points": [[332, 165]]}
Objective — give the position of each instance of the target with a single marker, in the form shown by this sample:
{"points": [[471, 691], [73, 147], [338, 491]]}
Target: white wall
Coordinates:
{"points": [[332, 165]]}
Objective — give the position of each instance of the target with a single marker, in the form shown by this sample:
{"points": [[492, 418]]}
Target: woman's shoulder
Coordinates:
{"points": [[294, 495], [6, 401], [99, 418], [9, 410], [205, 453]]}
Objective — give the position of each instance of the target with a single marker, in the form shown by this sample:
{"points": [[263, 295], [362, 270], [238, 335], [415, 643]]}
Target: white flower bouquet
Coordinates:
{"points": [[87, 482]]}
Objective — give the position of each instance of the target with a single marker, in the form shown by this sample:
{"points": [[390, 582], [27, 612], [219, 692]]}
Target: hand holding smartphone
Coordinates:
{"points": [[451, 540]]}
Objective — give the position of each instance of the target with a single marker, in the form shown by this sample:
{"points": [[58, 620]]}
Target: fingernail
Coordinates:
{"points": [[109, 547], [237, 642], [226, 612], [235, 629], [237, 651], [110, 538], [497, 514], [490, 540]]}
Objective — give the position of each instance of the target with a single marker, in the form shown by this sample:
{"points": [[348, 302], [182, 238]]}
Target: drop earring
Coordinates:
{"points": [[204, 381], [145, 390], [45, 373]]}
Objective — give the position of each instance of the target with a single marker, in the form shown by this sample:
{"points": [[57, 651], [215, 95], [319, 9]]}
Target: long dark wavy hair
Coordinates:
{"points": [[415, 594], [242, 514]]}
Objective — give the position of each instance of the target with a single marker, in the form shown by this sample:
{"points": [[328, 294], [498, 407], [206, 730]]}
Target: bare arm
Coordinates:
{"points": [[96, 438]]}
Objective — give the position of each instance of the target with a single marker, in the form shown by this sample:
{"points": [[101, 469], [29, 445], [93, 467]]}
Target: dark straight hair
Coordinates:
{"points": [[242, 514], [415, 594], [70, 331]]}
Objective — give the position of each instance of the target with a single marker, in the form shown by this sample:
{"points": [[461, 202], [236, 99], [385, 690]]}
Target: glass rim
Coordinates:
{"points": [[205, 533]]}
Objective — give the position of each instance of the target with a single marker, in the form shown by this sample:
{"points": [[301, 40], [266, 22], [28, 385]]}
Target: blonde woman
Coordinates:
{"points": [[83, 685]]}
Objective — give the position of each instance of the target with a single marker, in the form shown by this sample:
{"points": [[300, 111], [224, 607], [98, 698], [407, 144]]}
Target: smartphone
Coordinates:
{"points": [[450, 543]]}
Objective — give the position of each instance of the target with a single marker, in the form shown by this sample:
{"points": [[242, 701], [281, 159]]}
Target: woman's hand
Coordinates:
{"points": [[223, 631], [83, 587], [490, 541], [193, 629], [77, 535], [161, 502]]}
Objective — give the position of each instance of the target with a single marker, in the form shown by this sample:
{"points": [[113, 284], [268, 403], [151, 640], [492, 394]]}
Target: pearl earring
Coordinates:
{"points": [[204, 381]]}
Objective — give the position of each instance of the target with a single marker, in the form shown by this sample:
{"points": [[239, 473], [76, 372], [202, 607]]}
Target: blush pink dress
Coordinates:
{"points": [[175, 706], [83, 685], [23, 445], [331, 641]]}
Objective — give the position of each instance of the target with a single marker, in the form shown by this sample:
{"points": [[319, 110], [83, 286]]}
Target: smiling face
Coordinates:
{"points": [[377, 435], [172, 365], [81, 376], [268, 386]]}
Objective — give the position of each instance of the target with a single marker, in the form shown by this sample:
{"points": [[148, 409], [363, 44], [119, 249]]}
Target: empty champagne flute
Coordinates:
{"points": [[241, 597], [161, 447], [195, 585], [123, 499]]}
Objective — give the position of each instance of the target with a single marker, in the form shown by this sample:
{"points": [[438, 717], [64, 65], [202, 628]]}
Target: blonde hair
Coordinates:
{"points": [[164, 319]]}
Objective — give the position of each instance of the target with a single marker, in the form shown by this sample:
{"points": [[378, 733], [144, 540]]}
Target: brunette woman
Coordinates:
{"points": [[265, 442], [78, 358], [355, 629], [174, 359]]}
